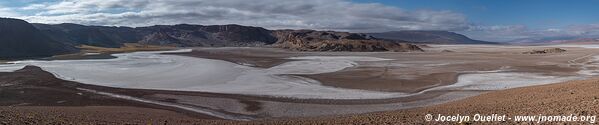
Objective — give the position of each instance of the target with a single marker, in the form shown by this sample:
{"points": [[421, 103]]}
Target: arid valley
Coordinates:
{"points": [[266, 84], [308, 62]]}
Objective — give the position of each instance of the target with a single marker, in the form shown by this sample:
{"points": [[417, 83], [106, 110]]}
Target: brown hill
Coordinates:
{"points": [[19, 39], [310, 40], [199, 35]]}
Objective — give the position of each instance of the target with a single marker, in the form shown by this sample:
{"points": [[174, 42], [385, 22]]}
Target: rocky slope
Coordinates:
{"points": [[199, 35], [438, 37], [19, 39], [579, 98], [186, 35], [75, 34], [171, 35], [310, 40]]}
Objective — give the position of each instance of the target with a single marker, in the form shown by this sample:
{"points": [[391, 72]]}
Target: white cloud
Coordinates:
{"points": [[8, 12], [341, 15], [498, 32], [515, 32], [306, 14], [34, 7]]}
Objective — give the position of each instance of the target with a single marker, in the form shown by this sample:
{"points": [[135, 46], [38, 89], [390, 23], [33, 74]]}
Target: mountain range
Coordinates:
{"points": [[434, 37], [183, 35], [20, 39]]}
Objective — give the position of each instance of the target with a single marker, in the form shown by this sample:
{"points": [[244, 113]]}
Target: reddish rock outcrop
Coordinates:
{"points": [[310, 40]]}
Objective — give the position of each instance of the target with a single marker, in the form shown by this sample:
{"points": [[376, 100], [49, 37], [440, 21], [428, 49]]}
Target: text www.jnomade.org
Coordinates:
{"points": [[504, 118]]}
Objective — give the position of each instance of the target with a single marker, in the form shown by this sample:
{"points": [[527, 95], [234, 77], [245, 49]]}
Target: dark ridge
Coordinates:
{"points": [[19, 39]]}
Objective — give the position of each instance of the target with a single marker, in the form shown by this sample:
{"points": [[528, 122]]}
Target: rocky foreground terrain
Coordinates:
{"points": [[34, 96], [28, 96], [578, 98]]}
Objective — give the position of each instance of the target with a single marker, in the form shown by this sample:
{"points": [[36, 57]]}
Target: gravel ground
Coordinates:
{"points": [[574, 97]]}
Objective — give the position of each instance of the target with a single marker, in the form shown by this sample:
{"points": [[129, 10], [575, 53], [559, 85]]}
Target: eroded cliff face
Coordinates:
{"points": [[186, 35], [310, 40], [209, 36]]}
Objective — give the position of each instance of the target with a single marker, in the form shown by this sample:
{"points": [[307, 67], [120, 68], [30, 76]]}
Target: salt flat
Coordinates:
{"points": [[381, 79], [153, 70]]}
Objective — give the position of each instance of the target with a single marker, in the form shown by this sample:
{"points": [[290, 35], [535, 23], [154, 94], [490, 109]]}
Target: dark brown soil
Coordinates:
{"points": [[31, 86]]}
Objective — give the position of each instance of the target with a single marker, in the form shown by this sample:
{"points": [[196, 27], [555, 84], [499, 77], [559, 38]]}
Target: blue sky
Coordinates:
{"points": [[533, 13], [491, 20]]}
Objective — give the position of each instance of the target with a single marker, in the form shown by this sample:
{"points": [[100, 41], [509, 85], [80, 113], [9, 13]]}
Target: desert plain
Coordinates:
{"points": [[262, 85]]}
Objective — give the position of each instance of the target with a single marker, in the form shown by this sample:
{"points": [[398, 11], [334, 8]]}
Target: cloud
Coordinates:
{"points": [[276, 14], [8, 12], [498, 33], [340, 15], [583, 30], [521, 32], [34, 7]]}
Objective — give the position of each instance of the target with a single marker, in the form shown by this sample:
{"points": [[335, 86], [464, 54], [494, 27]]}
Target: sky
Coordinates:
{"points": [[490, 20]]}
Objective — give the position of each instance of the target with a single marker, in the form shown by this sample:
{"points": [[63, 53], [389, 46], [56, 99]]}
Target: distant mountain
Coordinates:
{"points": [[555, 40], [437, 37], [199, 35], [172, 35], [76, 34], [187, 35], [19, 39], [582, 40]]}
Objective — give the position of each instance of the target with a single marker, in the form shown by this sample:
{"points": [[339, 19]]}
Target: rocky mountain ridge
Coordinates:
{"points": [[186, 35], [310, 40], [20, 39]]}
